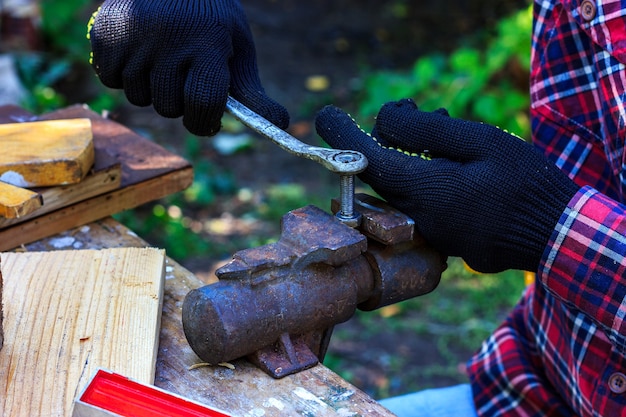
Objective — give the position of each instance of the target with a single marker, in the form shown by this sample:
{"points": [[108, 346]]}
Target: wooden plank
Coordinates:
{"points": [[16, 202], [54, 198], [68, 313], [243, 391], [148, 172], [46, 153]]}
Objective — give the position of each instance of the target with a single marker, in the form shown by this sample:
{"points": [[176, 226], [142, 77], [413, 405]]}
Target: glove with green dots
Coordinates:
{"points": [[473, 190], [184, 57]]}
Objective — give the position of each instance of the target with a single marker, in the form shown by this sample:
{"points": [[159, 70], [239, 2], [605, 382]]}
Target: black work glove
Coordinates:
{"points": [[483, 195], [184, 57]]}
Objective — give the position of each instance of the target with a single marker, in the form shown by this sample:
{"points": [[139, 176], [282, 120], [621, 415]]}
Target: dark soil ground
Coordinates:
{"points": [[339, 39]]}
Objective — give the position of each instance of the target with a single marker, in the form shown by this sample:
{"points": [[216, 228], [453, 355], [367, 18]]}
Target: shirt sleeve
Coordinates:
{"points": [[584, 263]]}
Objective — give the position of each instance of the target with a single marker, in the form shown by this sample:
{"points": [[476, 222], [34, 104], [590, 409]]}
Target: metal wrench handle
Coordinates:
{"points": [[343, 162]]}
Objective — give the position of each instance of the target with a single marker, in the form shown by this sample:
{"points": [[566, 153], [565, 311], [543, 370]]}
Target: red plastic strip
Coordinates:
{"points": [[120, 395]]}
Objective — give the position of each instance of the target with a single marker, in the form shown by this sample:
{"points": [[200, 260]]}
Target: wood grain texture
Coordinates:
{"points": [[46, 153], [145, 172], [69, 312], [243, 391], [17, 202]]}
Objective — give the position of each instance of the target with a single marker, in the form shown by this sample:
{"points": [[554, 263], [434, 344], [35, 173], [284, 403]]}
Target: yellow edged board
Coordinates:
{"points": [[46, 153], [16, 202]]}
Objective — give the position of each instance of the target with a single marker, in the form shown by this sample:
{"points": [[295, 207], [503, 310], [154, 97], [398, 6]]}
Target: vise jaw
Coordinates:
{"points": [[277, 304]]}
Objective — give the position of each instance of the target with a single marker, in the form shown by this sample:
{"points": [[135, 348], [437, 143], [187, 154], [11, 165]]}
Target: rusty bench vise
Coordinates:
{"points": [[277, 304]]}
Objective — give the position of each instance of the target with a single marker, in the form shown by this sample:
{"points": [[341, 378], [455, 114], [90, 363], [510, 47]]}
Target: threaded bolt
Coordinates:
{"points": [[346, 193]]}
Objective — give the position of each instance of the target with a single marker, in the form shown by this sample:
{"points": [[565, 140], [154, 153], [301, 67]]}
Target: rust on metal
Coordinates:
{"points": [[277, 304], [380, 221]]}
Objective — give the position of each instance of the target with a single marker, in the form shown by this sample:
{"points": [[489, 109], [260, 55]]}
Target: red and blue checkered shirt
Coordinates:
{"points": [[562, 351]]}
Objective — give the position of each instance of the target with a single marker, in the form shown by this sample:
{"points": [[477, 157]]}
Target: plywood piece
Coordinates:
{"points": [[68, 313], [16, 202], [141, 158], [46, 153]]}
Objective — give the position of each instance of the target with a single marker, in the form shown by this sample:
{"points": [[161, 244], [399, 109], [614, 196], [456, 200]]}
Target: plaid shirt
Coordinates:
{"points": [[562, 351]]}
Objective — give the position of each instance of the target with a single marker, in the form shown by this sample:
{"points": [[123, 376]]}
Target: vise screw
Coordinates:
{"points": [[277, 304]]}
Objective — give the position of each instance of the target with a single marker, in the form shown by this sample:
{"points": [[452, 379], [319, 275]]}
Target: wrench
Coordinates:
{"points": [[346, 163]]}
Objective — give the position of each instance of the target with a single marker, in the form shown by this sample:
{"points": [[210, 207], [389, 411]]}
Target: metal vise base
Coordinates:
{"points": [[277, 304]]}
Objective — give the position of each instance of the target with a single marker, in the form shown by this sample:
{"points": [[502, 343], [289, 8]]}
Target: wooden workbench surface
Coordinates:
{"points": [[242, 391]]}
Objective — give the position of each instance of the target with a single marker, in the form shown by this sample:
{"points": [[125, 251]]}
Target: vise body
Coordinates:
{"points": [[277, 304]]}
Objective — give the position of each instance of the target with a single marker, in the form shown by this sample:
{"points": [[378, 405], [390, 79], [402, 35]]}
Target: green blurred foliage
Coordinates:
{"points": [[38, 75], [64, 27], [478, 83], [456, 317], [168, 223]]}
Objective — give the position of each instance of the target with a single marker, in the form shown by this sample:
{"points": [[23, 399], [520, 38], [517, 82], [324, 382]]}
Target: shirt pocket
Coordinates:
{"points": [[578, 78]]}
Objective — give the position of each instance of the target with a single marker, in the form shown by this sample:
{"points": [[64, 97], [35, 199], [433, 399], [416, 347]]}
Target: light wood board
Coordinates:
{"points": [[70, 312]]}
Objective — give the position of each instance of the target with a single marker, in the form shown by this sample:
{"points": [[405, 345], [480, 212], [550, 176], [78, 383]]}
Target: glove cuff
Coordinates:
{"points": [[539, 213]]}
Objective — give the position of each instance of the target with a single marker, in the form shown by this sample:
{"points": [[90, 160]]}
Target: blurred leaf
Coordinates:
{"points": [[64, 25], [473, 82], [228, 144]]}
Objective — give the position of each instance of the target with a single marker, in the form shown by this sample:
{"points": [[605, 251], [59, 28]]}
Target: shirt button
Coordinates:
{"points": [[617, 383], [588, 10]]}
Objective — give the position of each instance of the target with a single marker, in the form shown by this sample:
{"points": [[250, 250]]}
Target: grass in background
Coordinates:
{"points": [[181, 224]]}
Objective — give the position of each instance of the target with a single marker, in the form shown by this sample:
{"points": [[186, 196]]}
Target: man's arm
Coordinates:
{"points": [[584, 263]]}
